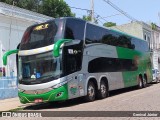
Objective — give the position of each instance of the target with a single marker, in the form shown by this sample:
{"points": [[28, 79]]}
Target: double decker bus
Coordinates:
{"points": [[66, 58]]}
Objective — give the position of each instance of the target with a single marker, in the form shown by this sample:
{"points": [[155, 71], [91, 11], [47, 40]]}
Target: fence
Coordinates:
{"points": [[8, 87]]}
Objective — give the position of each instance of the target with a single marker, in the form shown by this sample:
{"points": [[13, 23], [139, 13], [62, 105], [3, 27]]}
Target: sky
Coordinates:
{"points": [[142, 10]]}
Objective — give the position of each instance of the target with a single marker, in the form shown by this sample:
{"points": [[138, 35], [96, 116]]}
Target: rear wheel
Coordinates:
{"points": [[157, 80], [144, 82], [103, 92], [90, 92]]}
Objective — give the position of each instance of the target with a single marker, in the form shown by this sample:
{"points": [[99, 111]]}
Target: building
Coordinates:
{"points": [[13, 23], [138, 29], [150, 33]]}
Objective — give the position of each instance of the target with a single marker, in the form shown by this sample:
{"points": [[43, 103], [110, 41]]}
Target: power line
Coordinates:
{"points": [[121, 11], [98, 16], [107, 21], [112, 15], [80, 8]]}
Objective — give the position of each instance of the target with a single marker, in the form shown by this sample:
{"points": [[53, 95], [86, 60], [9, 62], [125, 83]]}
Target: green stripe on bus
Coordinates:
{"points": [[5, 56], [46, 97], [130, 77]]}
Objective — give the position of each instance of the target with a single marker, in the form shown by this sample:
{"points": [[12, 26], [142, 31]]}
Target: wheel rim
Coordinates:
{"points": [[144, 81], [140, 83], [91, 91], [103, 89]]}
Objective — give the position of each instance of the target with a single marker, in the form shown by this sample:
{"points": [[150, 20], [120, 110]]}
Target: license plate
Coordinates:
{"points": [[38, 100]]}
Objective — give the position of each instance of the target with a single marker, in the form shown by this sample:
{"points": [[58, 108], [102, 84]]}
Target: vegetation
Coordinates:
{"points": [[52, 8], [88, 18], [109, 24]]}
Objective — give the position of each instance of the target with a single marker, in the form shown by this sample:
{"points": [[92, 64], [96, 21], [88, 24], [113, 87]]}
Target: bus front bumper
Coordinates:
{"points": [[57, 94]]}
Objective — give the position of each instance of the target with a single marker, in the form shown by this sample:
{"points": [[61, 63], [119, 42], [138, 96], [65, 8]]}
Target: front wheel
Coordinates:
{"points": [[90, 92], [140, 83]]}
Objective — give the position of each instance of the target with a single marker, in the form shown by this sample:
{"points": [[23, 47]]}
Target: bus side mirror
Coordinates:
{"points": [[7, 54], [57, 45]]}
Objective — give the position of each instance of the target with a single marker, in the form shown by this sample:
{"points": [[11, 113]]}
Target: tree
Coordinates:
{"points": [[56, 8], [53, 8], [88, 18], [109, 24], [26, 4]]}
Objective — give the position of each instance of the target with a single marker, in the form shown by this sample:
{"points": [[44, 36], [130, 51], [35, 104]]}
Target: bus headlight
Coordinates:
{"points": [[59, 85]]}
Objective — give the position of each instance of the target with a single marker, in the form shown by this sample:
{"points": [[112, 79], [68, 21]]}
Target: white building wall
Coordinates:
{"points": [[11, 32], [131, 28], [13, 23]]}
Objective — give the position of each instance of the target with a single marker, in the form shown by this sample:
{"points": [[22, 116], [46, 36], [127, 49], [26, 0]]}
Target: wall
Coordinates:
{"points": [[8, 87], [11, 32], [131, 28]]}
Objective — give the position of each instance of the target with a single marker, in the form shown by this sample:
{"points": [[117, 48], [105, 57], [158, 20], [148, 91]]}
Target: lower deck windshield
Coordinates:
{"points": [[39, 68]]}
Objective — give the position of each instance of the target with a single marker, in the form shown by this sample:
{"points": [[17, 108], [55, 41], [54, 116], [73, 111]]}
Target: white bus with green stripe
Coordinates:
{"points": [[67, 58]]}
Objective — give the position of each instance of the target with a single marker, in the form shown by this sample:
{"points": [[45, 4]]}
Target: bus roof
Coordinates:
{"points": [[120, 32]]}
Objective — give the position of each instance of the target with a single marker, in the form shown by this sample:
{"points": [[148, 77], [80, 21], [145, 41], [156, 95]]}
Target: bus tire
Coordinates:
{"points": [[144, 82], [103, 92], [90, 92], [140, 82], [157, 80]]}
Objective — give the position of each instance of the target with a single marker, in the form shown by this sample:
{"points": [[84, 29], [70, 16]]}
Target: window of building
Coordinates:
{"points": [[145, 36]]}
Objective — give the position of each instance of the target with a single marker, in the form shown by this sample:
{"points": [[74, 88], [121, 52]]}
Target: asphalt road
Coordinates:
{"points": [[130, 99]]}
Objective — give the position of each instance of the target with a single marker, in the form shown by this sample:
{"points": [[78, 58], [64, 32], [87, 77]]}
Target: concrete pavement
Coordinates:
{"points": [[9, 104]]}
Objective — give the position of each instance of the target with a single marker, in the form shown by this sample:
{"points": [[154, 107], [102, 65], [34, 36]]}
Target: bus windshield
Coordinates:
{"points": [[42, 35], [39, 68]]}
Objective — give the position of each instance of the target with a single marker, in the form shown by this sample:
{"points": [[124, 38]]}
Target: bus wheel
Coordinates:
{"points": [[90, 92], [144, 82], [103, 92], [157, 80], [140, 83]]}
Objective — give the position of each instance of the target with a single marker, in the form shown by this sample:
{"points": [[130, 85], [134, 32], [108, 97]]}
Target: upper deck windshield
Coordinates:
{"points": [[42, 34]]}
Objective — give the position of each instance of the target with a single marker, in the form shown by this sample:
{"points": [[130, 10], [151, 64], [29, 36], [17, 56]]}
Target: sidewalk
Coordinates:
{"points": [[9, 104]]}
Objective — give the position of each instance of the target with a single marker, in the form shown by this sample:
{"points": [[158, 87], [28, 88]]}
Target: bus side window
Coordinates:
{"points": [[74, 29], [71, 65]]}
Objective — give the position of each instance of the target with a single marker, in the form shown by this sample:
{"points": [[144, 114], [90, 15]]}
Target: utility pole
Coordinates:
{"points": [[92, 10], [159, 18]]}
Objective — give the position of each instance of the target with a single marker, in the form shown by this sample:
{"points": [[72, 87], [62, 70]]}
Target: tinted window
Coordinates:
{"points": [[96, 34], [111, 65], [140, 45], [72, 58], [41, 35], [74, 29]]}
